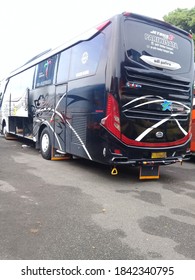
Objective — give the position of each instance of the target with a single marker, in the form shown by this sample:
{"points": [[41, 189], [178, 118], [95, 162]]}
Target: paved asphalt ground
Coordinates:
{"points": [[76, 210]]}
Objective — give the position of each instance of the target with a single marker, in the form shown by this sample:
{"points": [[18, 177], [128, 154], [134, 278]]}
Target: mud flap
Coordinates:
{"points": [[149, 172]]}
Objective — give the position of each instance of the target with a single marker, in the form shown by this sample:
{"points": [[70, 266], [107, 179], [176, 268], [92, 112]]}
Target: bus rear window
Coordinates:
{"points": [[143, 42]]}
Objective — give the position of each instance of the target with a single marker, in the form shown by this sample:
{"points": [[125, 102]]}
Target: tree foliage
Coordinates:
{"points": [[184, 19]]}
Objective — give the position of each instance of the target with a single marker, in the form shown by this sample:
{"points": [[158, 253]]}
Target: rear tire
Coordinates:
{"points": [[45, 144]]}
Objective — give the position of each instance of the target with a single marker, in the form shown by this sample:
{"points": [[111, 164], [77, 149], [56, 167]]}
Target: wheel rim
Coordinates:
{"points": [[45, 143]]}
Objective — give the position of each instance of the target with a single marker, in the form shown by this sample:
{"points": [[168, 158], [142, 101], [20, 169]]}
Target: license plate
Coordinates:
{"points": [[159, 155]]}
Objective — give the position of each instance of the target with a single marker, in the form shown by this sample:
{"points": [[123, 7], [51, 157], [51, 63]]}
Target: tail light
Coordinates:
{"points": [[112, 119]]}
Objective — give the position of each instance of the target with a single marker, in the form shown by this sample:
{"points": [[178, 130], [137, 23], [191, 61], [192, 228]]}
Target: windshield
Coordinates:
{"points": [[155, 47]]}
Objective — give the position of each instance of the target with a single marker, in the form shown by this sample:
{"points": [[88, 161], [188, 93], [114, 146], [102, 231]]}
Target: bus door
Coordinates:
{"points": [[59, 119], [15, 106]]}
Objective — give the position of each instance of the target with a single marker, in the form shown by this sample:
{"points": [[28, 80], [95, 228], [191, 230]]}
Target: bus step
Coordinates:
{"points": [[149, 172]]}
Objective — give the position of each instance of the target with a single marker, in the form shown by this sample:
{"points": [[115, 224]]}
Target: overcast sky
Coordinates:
{"points": [[28, 27]]}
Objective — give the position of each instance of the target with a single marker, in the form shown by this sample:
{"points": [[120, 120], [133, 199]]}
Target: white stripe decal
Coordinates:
{"points": [[149, 102], [54, 133], [136, 99], [148, 130], [181, 128], [57, 106], [151, 128]]}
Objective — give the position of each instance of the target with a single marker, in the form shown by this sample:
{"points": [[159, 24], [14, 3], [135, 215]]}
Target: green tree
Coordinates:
{"points": [[184, 19]]}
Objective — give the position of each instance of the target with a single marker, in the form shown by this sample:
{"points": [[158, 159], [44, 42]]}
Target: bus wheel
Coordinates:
{"points": [[45, 144]]}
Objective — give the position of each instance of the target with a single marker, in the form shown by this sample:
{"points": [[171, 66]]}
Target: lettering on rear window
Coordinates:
{"points": [[161, 42]]}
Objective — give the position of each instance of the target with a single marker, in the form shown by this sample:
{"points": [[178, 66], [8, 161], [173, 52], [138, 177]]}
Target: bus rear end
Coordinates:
{"points": [[149, 117]]}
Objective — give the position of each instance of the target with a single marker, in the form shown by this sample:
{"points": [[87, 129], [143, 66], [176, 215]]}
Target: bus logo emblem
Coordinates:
{"points": [[84, 57], [159, 134], [166, 105]]}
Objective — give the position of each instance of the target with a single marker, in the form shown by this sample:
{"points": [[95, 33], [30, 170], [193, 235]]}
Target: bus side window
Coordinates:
{"points": [[63, 67], [45, 72], [85, 57]]}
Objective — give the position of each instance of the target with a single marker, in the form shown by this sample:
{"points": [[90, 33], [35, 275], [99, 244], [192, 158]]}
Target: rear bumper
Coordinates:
{"points": [[138, 156], [115, 152], [143, 162]]}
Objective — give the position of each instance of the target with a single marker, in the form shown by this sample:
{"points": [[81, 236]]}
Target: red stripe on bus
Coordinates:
{"points": [[154, 145]]}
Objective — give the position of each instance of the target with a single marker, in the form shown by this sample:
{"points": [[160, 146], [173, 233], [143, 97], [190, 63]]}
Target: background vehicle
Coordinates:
{"points": [[120, 94]]}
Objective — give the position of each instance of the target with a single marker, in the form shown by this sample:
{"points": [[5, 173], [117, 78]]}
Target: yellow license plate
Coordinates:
{"points": [[159, 155]]}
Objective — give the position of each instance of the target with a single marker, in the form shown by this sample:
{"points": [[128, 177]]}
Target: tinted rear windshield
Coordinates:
{"points": [[145, 40]]}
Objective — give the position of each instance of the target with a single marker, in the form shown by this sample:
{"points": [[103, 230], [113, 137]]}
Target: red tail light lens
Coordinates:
{"points": [[112, 119]]}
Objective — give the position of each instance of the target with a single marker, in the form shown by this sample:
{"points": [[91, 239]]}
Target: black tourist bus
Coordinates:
{"points": [[119, 94]]}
